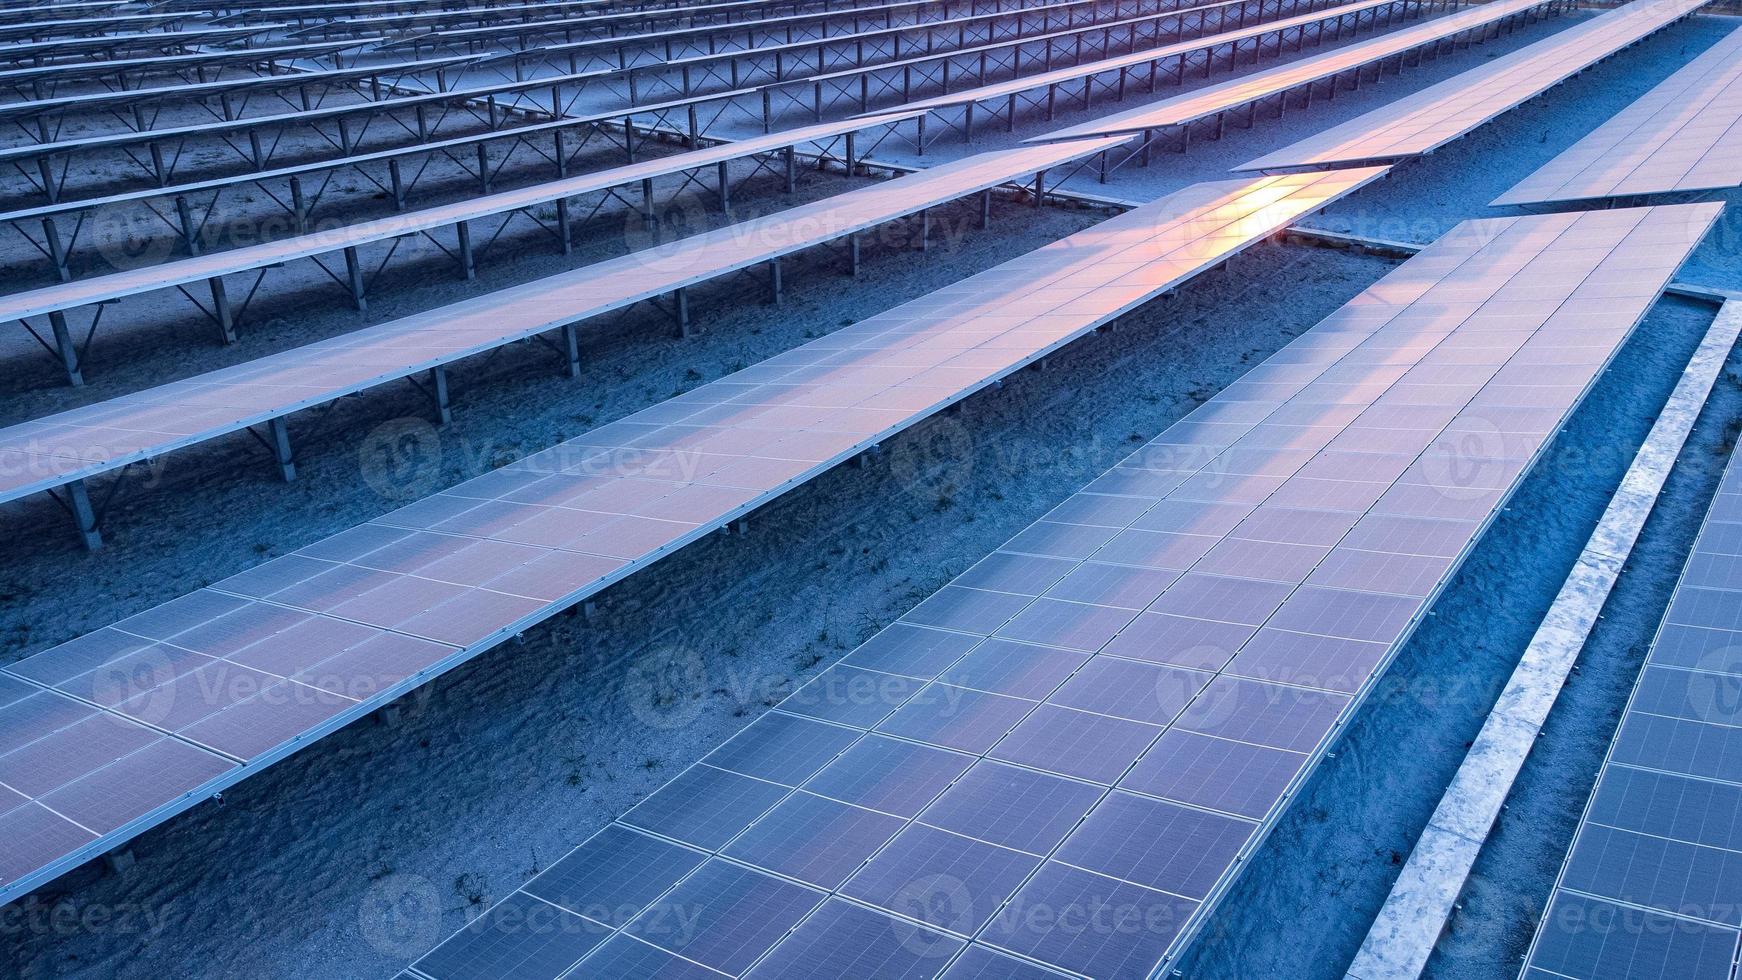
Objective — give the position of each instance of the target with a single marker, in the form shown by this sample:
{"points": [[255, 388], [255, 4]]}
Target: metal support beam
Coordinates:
{"points": [[438, 392], [354, 277], [278, 440], [572, 350], [221, 310], [468, 266], [66, 348], [84, 516]]}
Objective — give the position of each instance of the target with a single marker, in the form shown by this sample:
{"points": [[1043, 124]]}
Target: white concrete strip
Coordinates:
{"points": [[1407, 927]]}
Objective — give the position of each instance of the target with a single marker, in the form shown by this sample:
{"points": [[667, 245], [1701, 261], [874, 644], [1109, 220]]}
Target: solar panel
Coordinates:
{"points": [[1683, 135], [1652, 886], [1312, 17], [1128, 795], [1202, 103], [1438, 114], [83, 442], [162, 41], [673, 46], [27, 79], [340, 627], [104, 100]]}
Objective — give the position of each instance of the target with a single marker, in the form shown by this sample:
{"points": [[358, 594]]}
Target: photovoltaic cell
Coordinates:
{"points": [[520, 938], [1013, 807], [615, 874], [846, 940], [1132, 825], [1650, 884], [814, 839], [944, 880], [724, 916]]}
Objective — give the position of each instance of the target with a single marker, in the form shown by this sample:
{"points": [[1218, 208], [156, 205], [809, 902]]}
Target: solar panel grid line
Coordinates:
{"points": [[1249, 89], [75, 445], [1647, 926], [207, 265], [379, 610], [410, 19], [356, 18], [1683, 135], [1423, 121], [993, 625]]}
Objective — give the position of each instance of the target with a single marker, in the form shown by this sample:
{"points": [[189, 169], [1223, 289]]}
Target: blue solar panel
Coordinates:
{"points": [[520, 938], [816, 840], [615, 875], [1013, 807], [1652, 885], [846, 940], [724, 916], [1083, 826]]}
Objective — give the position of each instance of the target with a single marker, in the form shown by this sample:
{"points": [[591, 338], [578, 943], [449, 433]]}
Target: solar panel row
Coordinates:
{"points": [[1062, 758], [1426, 894], [112, 733], [1252, 87], [673, 44], [565, 98], [1652, 886], [1438, 114], [1683, 135], [1318, 17], [83, 442]]}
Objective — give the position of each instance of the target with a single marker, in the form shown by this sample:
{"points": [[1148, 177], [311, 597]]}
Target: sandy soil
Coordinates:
{"points": [[358, 854]]}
